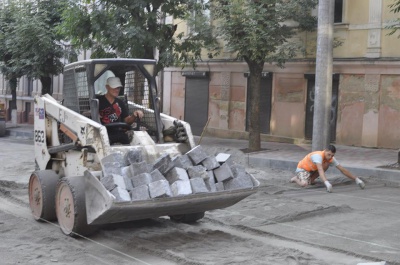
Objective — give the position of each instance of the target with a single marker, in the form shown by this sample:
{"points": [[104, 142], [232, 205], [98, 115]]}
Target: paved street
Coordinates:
{"points": [[281, 220]]}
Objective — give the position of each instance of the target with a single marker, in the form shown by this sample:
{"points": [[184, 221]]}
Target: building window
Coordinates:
{"points": [[338, 16], [30, 86]]}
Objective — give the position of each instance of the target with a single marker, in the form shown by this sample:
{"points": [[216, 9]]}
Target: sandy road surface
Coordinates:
{"points": [[280, 224]]}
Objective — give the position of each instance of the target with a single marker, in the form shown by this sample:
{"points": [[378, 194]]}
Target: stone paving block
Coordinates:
{"points": [[156, 175], [176, 174], [133, 156], [223, 173], [121, 195], [112, 181], [210, 163], [110, 168], [222, 157], [140, 193], [219, 186], [141, 179], [182, 161], [128, 183], [108, 183], [138, 168], [114, 157], [197, 155], [210, 182], [125, 171], [159, 189], [198, 172], [181, 187], [163, 164], [241, 182], [198, 185], [237, 169]]}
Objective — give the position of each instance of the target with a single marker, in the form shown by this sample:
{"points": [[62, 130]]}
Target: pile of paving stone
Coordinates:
{"points": [[129, 178]]}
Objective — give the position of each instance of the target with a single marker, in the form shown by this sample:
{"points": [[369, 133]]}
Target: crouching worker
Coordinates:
{"points": [[315, 164]]}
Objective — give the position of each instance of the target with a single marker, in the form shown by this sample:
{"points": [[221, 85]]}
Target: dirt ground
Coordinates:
{"points": [[280, 224]]}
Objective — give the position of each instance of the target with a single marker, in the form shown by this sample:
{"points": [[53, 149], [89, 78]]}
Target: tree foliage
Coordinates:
{"points": [[8, 68], [395, 25], [33, 46], [260, 31], [137, 28]]}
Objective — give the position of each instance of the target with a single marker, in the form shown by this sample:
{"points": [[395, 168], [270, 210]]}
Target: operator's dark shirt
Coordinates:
{"points": [[113, 112]]}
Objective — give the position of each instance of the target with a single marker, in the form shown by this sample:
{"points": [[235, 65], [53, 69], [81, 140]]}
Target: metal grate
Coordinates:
{"points": [[75, 91], [75, 95], [137, 92]]}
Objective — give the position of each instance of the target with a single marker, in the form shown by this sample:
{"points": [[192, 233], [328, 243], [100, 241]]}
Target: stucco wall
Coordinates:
{"points": [[389, 112], [288, 107]]}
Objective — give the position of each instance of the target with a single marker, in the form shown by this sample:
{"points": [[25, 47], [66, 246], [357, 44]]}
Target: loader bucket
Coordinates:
{"points": [[102, 208]]}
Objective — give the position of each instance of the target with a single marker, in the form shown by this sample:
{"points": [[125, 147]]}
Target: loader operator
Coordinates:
{"points": [[112, 109], [315, 164]]}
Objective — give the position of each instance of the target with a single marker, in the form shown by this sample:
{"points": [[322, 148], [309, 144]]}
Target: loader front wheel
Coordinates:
{"points": [[42, 189], [2, 128], [71, 208], [187, 218]]}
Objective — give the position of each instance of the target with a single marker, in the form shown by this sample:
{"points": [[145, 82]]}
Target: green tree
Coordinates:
{"points": [[259, 32], [37, 47], [30, 43], [10, 71], [395, 8], [118, 28]]}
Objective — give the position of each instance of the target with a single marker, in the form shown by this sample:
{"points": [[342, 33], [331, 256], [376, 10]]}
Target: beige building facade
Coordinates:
{"points": [[365, 96], [214, 96]]}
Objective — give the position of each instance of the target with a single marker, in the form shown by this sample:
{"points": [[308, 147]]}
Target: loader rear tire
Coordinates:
{"points": [[187, 218], [71, 207], [41, 190], [2, 128]]}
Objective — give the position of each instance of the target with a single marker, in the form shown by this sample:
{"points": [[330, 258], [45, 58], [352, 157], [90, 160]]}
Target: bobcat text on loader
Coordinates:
{"points": [[83, 182]]}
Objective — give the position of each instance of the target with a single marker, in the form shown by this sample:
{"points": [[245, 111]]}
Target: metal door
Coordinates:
{"points": [[310, 106], [196, 103], [265, 103]]}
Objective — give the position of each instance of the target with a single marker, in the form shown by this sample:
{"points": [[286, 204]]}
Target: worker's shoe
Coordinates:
{"points": [[360, 183]]}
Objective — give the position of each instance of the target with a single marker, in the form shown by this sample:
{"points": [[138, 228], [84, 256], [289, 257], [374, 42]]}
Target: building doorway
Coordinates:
{"points": [[265, 102], [196, 100], [310, 106]]}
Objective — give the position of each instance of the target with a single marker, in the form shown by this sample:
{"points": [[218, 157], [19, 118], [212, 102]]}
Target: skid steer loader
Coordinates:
{"points": [[83, 182]]}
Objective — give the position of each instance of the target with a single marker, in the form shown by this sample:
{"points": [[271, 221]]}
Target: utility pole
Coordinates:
{"points": [[323, 78]]}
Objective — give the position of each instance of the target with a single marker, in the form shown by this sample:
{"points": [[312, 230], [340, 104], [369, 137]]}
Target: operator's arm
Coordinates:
{"points": [[131, 118]]}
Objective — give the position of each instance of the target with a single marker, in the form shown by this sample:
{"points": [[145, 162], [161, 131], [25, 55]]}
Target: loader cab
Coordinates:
{"points": [[84, 81]]}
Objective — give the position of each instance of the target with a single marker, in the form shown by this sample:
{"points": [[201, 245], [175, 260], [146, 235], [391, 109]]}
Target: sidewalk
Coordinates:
{"points": [[24, 131], [364, 162]]}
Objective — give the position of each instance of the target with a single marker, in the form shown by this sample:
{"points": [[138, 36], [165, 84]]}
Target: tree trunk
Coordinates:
{"points": [[254, 111], [323, 78], [46, 85], [13, 88]]}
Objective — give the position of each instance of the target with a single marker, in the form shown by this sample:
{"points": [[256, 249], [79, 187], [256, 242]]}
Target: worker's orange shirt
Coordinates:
{"points": [[308, 165]]}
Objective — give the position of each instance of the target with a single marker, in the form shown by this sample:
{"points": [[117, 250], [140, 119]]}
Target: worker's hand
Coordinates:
{"points": [[138, 113], [360, 183], [328, 186]]}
